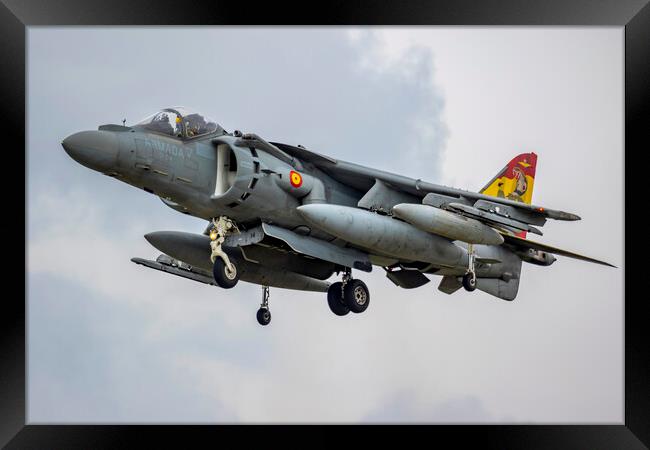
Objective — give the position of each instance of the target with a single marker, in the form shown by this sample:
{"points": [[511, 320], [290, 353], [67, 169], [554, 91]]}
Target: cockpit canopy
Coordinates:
{"points": [[180, 122]]}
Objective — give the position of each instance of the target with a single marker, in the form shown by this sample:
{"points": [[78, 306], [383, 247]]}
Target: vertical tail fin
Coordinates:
{"points": [[515, 181]]}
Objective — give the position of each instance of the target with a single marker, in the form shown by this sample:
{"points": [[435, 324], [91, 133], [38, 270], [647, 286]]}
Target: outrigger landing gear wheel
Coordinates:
{"points": [[469, 281], [263, 316], [225, 278], [264, 313], [335, 299], [357, 296]]}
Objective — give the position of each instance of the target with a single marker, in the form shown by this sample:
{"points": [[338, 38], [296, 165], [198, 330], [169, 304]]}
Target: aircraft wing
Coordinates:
{"points": [[364, 178], [520, 243], [167, 264]]}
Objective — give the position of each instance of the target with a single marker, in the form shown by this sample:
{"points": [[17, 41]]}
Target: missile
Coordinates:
{"points": [[447, 224], [194, 249], [383, 235]]}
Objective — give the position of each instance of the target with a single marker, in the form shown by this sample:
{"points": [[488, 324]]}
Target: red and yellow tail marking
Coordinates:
{"points": [[515, 181]]}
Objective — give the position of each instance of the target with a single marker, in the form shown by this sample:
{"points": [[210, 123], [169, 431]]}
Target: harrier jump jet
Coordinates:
{"points": [[284, 216]]}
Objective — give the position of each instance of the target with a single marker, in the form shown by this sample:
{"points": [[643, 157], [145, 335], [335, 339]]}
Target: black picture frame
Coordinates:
{"points": [[16, 15]]}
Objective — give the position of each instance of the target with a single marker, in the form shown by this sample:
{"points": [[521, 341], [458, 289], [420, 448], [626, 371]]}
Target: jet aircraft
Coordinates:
{"points": [[281, 215]]}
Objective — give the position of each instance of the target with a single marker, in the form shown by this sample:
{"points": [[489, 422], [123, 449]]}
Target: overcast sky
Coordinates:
{"points": [[110, 341]]}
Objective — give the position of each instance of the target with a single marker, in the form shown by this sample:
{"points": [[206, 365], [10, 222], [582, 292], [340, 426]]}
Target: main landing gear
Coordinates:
{"points": [[469, 279], [348, 295], [224, 270], [264, 314]]}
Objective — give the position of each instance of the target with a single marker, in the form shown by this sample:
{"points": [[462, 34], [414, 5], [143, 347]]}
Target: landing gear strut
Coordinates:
{"points": [[348, 295], [264, 314], [469, 279], [224, 270]]}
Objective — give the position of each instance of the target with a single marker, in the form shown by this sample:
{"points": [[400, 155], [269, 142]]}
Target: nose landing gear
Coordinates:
{"points": [[264, 314], [224, 271], [348, 295]]}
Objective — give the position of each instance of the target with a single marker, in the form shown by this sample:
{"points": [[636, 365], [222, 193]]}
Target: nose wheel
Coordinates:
{"points": [[348, 295], [224, 275], [264, 314]]}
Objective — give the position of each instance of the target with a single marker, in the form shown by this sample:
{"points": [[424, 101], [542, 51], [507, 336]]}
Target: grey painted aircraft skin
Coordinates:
{"points": [[283, 216]]}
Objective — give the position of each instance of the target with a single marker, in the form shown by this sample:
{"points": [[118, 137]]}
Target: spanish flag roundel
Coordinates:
{"points": [[295, 179]]}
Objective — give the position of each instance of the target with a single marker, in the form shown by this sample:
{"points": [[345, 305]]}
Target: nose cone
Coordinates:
{"points": [[403, 210], [319, 214], [94, 149], [334, 219]]}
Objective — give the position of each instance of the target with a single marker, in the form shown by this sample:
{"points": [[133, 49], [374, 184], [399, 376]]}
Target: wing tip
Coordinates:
{"points": [[518, 241], [561, 215], [591, 260]]}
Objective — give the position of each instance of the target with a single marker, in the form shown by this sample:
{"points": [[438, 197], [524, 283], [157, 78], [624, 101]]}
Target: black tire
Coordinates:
{"points": [[469, 282], [335, 299], [263, 316], [357, 296], [222, 277]]}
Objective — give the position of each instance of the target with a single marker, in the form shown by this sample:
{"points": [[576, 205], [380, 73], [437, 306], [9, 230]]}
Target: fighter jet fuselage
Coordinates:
{"points": [[195, 178], [281, 215]]}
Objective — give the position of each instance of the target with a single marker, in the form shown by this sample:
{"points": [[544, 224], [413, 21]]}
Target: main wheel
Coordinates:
{"points": [[356, 296], [263, 316], [335, 299], [224, 277], [469, 281]]}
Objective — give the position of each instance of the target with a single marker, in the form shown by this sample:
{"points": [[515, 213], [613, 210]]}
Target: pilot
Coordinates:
{"points": [[191, 130], [178, 130], [194, 125]]}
